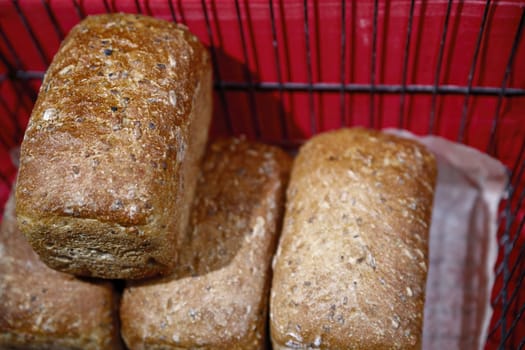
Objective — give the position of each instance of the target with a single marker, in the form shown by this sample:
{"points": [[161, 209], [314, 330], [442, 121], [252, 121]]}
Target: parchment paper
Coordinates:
{"points": [[463, 246]]}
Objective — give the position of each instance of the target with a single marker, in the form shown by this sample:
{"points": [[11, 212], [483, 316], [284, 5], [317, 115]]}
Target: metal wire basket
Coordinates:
{"points": [[285, 70]]}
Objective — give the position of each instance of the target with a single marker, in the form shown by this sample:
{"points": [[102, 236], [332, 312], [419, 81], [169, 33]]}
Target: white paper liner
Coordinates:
{"points": [[463, 245]]}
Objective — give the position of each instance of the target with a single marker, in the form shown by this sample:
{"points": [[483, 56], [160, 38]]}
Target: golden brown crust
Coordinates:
{"points": [[109, 158], [217, 298], [351, 266], [42, 308]]}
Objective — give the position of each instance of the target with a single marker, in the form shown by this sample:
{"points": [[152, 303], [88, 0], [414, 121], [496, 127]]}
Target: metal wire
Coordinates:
{"points": [[247, 75], [5, 180], [31, 33], [22, 103], [373, 65], [18, 89], [275, 44], [509, 217], [519, 161], [412, 89], [432, 121], [463, 122], [405, 65], [54, 22], [515, 179], [172, 11], [343, 58], [520, 201], [501, 322], [79, 10], [516, 236], [6, 63], [352, 69], [147, 8], [216, 72], [508, 245], [520, 256], [16, 139], [313, 121], [107, 7], [137, 5], [12, 116], [491, 149], [378, 88], [12, 53], [506, 334]]}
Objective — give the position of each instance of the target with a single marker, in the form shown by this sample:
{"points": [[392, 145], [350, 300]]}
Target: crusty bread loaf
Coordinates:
{"points": [[41, 308], [217, 299], [110, 156], [351, 266]]}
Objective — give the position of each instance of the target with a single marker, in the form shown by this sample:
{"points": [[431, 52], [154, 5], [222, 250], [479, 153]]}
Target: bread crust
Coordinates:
{"points": [[351, 266], [42, 308], [218, 296], [110, 156]]}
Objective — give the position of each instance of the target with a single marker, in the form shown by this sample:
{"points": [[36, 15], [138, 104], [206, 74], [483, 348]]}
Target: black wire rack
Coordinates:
{"points": [[21, 72]]}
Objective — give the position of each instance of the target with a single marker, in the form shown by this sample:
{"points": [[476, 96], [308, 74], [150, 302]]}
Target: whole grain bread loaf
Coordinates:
{"points": [[110, 157], [218, 296], [41, 308], [351, 265]]}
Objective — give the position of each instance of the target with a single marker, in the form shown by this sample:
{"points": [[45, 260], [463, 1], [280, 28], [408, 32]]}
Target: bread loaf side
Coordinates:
{"points": [[42, 308], [218, 296], [351, 266], [110, 157]]}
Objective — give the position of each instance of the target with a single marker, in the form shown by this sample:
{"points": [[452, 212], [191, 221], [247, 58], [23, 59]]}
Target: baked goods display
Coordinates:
{"points": [[351, 265], [217, 298], [110, 156], [112, 185], [42, 308]]}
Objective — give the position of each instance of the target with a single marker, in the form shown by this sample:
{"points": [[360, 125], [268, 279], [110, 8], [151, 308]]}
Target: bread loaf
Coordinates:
{"points": [[41, 308], [110, 156], [218, 296], [351, 266]]}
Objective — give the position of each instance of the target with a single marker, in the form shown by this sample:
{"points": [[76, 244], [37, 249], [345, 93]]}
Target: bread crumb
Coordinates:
{"points": [[175, 338], [50, 114], [408, 254], [293, 344], [172, 98], [258, 229], [172, 61], [317, 341], [66, 69], [298, 339], [193, 314], [395, 322]]}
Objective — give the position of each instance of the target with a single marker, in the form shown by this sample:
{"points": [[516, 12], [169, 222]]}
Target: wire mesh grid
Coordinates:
{"points": [[286, 70]]}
